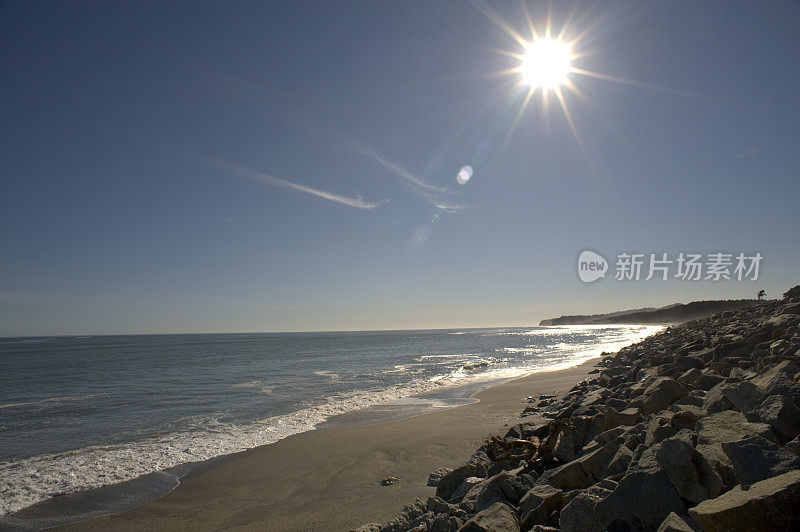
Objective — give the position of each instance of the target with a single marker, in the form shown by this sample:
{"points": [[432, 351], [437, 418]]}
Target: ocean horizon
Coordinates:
{"points": [[81, 412]]}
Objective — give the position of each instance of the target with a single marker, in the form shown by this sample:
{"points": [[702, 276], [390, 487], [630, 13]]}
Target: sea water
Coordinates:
{"points": [[81, 412]]}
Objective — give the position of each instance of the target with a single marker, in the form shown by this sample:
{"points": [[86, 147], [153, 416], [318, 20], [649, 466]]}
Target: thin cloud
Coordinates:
{"points": [[396, 168], [356, 201], [436, 196]]}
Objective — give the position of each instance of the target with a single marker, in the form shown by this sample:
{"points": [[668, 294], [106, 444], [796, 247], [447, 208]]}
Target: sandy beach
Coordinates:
{"points": [[330, 479]]}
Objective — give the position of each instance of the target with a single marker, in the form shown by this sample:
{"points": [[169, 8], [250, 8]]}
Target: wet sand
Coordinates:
{"points": [[329, 479]]}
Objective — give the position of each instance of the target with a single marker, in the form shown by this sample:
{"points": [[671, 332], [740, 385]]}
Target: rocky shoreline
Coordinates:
{"points": [[694, 428]]}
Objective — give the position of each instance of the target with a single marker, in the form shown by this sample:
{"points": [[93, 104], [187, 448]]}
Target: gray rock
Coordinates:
{"points": [[685, 363], [440, 506], [627, 417], [679, 523], [535, 496], [658, 429], [793, 446], [641, 501], [767, 505], [689, 436], [782, 415], [690, 378], [742, 396], [709, 379], [436, 476], [620, 462], [686, 417], [779, 380], [579, 512], [755, 459], [369, 527], [422, 523], [542, 528], [453, 479], [661, 393], [728, 426], [538, 505], [497, 518], [581, 472], [501, 487], [719, 462], [443, 523], [465, 487], [687, 470]]}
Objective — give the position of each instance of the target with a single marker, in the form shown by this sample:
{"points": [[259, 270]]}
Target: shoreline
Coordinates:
{"points": [[290, 484]]}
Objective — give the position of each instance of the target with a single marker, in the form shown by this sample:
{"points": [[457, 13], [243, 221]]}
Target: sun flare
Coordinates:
{"points": [[546, 64]]}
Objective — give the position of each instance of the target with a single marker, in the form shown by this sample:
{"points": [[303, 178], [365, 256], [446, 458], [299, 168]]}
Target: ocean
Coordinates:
{"points": [[80, 412]]}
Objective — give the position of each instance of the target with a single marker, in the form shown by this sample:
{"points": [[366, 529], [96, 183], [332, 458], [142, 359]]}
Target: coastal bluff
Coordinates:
{"points": [[694, 428], [670, 314]]}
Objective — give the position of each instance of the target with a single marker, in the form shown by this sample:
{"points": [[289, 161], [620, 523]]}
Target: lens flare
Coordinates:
{"points": [[464, 175]]}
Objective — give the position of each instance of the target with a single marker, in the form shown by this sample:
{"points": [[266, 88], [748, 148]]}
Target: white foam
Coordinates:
{"points": [[26, 481]]}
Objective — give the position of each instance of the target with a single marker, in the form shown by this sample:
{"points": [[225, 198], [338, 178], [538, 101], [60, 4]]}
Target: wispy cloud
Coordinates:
{"points": [[436, 196], [752, 151], [355, 201]]}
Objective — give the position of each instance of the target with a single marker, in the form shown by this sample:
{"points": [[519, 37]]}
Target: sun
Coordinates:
{"points": [[546, 64]]}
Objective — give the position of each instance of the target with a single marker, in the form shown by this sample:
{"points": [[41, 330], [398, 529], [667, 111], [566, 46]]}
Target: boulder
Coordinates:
{"points": [[766, 506], [660, 394], [729, 425], [422, 523], [709, 379], [369, 527], [440, 506], [581, 472], [793, 446], [679, 523], [436, 476], [686, 417], [464, 488], [755, 459], [452, 480], [443, 523], [525, 431], [620, 462], [779, 380], [687, 470], [501, 487], [658, 429], [538, 505], [719, 462], [685, 363], [535, 496], [690, 378], [641, 501], [497, 518], [579, 511], [627, 417], [742, 396], [782, 415]]}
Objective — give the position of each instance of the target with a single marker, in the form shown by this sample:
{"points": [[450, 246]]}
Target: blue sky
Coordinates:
{"points": [[284, 166]]}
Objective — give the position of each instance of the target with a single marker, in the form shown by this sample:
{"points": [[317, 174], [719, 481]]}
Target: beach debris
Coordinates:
{"points": [[501, 449], [692, 428], [388, 481]]}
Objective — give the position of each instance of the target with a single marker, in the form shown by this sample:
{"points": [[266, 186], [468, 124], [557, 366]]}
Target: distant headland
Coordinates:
{"points": [[676, 313]]}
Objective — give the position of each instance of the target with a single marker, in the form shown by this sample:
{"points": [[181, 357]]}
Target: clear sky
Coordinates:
{"points": [[284, 166]]}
